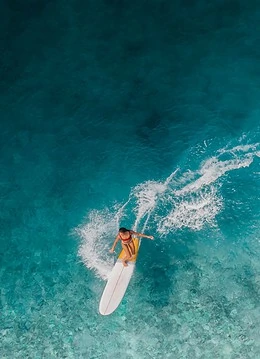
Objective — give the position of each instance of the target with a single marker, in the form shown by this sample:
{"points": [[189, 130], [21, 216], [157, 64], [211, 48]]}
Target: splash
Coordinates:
{"points": [[95, 237], [192, 212], [147, 194], [186, 199], [215, 167]]}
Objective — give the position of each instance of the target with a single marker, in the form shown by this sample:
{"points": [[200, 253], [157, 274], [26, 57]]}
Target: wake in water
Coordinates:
{"points": [[188, 199]]}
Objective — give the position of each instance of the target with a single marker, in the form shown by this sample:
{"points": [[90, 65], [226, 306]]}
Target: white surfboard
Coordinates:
{"points": [[117, 283]]}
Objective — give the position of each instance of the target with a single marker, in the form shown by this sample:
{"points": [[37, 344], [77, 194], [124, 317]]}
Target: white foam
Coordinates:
{"points": [[188, 200], [146, 195], [198, 202], [96, 236], [240, 148], [192, 212], [215, 167]]}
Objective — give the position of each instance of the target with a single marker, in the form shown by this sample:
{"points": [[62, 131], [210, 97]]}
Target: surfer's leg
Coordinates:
{"points": [[132, 248], [127, 254]]}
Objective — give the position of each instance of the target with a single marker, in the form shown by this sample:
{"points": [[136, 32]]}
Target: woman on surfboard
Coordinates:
{"points": [[125, 235]]}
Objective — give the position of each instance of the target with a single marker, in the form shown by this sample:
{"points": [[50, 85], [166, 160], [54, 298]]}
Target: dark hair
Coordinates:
{"points": [[123, 230]]}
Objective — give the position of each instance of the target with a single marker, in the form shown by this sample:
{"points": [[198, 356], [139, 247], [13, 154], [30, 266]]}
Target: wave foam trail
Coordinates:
{"points": [[147, 195], [96, 237], [186, 199], [192, 212], [97, 234], [198, 201], [212, 170]]}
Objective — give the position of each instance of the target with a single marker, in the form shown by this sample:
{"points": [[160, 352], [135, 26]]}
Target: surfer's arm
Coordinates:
{"points": [[114, 244], [141, 235]]}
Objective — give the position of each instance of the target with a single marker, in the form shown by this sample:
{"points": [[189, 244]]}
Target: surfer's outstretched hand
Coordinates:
{"points": [[151, 237], [111, 250]]}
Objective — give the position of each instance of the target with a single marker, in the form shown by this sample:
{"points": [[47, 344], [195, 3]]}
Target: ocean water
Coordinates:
{"points": [[137, 114]]}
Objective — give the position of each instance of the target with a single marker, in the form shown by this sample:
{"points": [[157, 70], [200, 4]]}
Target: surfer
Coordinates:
{"points": [[125, 235]]}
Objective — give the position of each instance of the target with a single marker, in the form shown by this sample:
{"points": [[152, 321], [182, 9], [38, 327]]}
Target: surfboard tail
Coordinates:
{"points": [[117, 283]]}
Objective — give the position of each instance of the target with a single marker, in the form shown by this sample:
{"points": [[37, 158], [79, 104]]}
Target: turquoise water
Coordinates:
{"points": [[144, 115]]}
